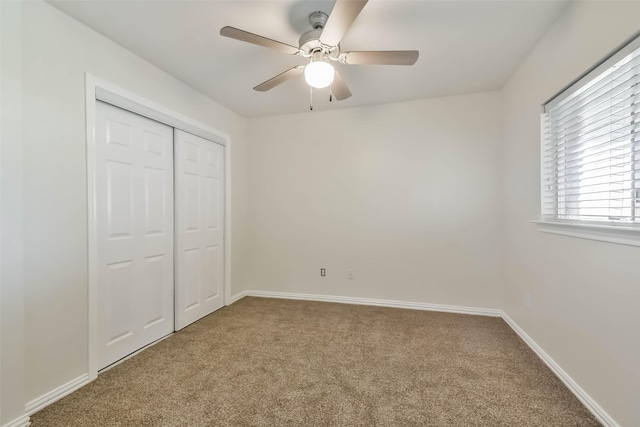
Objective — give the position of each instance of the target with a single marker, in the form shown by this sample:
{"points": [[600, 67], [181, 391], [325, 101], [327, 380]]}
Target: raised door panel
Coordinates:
{"points": [[154, 198], [119, 199], [119, 283], [154, 297], [191, 192], [213, 268], [213, 209], [191, 276]]}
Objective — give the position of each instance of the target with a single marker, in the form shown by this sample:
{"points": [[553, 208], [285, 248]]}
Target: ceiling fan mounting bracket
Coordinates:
{"points": [[318, 20]]}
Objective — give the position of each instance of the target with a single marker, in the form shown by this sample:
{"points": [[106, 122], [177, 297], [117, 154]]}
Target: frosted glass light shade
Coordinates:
{"points": [[319, 74]]}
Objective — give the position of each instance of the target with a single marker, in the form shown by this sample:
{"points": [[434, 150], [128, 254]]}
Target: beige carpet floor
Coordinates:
{"points": [[268, 362]]}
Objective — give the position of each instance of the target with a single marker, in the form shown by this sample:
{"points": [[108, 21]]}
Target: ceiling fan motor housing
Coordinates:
{"points": [[310, 41]]}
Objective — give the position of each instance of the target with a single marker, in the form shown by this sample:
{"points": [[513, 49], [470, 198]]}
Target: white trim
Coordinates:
{"points": [[602, 416], [92, 226], [494, 312], [56, 394], [97, 89], [236, 297], [227, 222], [628, 46], [620, 234], [113, 95], [22, 421]]}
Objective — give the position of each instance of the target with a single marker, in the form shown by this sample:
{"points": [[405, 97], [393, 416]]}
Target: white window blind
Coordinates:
{"points": [[591, 145]]}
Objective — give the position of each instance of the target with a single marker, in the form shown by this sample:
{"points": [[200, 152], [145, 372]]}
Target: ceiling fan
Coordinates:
{"points": [[321, 46]]}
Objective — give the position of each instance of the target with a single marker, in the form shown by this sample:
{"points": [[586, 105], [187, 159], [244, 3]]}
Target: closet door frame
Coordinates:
{"points": [[100, 90]]}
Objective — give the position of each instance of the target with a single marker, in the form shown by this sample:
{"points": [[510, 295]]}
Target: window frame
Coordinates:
{"points": [[609, 231]]}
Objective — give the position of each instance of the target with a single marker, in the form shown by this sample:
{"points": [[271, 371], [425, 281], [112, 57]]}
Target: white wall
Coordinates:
{"points": [[406, 194], [585, 294], [56, 52], [11, 283]]}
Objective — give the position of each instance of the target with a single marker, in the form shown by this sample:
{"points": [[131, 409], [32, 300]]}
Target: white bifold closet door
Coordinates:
{"points": [[134, 209], [199, 186]]}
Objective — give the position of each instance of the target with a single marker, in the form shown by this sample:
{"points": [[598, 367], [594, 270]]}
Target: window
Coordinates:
{"points": [[591, 145]]}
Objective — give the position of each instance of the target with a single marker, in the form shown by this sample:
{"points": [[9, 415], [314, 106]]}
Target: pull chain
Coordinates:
{"points": [[310, 98], [331, 92]]}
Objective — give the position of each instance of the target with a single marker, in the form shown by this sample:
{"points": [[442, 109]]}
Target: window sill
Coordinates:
{"points": [[619, 234]]}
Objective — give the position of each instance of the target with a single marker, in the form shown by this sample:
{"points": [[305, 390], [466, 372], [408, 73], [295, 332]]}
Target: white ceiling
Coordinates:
{"points": [[465, 46]]}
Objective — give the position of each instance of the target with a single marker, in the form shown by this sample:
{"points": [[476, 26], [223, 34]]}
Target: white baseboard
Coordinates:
{"points": [[56, 394], [593, 407], [237, 297], [494, 312], [22, 421]]}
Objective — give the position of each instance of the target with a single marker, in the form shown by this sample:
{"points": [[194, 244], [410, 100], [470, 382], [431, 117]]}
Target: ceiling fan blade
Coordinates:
{"points": [[248, 37], [339, 87], [342, 16], [382, 57], [280, 78]]}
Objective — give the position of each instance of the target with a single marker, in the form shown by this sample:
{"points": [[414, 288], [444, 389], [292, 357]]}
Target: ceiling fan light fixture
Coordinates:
{"points": [[319, 74]]}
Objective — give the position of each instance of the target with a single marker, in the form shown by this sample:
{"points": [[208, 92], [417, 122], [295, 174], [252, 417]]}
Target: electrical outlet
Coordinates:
{"points": [[323, 272], [351, 274]]}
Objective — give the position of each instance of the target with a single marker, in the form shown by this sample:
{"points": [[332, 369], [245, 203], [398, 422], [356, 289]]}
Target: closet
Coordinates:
{"points": [[159, 206]]}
